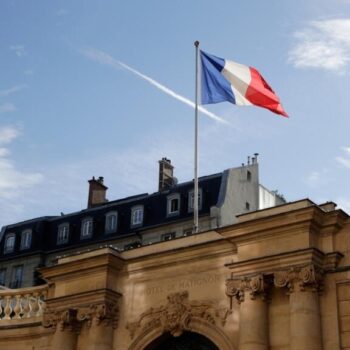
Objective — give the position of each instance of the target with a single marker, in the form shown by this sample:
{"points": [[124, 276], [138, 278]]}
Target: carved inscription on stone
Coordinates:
{"points": [[181, 284]]}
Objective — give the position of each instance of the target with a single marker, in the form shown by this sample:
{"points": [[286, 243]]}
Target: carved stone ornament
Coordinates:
{"points": [[175, 317], [71, 319], [256, 286], [60, 320], [299, 278], [106, 314]]}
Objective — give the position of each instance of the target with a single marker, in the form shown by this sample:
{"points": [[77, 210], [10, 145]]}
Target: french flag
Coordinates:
{"points": [[224, 80]]}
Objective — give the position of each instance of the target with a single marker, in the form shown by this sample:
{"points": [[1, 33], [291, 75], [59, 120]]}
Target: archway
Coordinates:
{"points": [[186, 341]]}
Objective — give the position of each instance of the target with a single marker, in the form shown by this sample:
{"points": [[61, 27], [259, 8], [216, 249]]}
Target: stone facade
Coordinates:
{"points": [[277, 279]]}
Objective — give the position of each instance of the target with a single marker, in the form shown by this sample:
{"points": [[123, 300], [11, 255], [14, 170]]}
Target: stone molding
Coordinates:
{"points": [[256, 286], [176, 316], [299, 278]]}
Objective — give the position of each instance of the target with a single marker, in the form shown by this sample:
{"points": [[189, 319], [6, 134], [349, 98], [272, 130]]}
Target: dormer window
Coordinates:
{"points": [[111, 222], [86, 228], [191, 200], [26, 239], [173, 204], [63, 233], [137, 216], [10, 241]]}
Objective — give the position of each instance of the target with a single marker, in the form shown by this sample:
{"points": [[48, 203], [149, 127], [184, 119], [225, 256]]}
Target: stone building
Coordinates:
{"points": [[276, 278], [131, 222]]}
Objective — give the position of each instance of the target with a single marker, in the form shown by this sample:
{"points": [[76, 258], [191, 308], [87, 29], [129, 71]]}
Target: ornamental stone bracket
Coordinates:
{"points": [[61, 320], [176, 316], [256, 286], [94, 308], [105, 314], [300, 278]]}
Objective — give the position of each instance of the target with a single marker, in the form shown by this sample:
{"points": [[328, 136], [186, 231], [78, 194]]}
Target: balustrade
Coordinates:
{"points": [[22, 303]]}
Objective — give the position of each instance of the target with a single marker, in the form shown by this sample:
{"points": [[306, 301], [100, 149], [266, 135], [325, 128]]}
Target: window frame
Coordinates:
{"points": [[64, 225], [164, 237], [14, 282], [170, 198], [26, 233], [134, 209], [3, 272], [109, 230], [7, 237], [84, 222], [191, 200]]}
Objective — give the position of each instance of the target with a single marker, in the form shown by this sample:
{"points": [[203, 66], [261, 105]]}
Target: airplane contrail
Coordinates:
{"points": [[105, 58]]}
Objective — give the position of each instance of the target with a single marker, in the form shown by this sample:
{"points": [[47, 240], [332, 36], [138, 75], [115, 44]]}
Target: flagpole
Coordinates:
{"points": [[195, 199]]}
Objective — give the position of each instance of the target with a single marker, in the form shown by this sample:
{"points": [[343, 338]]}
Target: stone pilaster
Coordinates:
{"points": [[251, 294], [303, 285], [65, 329]]}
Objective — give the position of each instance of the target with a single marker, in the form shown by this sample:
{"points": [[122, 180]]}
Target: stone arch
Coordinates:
{"points": [[196, 325]]}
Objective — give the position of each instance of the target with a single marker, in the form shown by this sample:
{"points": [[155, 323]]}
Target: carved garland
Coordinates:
{"points": [[175, 317]]}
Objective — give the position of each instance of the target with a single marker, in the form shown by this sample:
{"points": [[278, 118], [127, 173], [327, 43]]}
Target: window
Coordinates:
{"points": [[26, 239], [63, 233], [10, 243], [191, 200], [173, 204], [188, 232], [137, 215], [17, 274], [111, 222], [2, 277], [86, 228], [167, 236], [249, 175]]}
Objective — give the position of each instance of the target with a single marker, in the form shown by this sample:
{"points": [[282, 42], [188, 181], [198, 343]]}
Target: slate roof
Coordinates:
{"points": [[44, 229]]}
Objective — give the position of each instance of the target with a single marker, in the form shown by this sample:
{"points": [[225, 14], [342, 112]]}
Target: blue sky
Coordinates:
{"points": [[76, 99]]}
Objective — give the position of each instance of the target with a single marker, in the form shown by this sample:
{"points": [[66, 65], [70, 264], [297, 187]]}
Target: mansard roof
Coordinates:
{"points": [[44, 229]]}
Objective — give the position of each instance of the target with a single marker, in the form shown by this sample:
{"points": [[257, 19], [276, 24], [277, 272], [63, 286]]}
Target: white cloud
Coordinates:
{"points": [[106, 59], [12, 180], [12, 90], [323, 44], [4, 152], [7, 107], [8, 134], [317, 178], [344, 161], [19, 50]]}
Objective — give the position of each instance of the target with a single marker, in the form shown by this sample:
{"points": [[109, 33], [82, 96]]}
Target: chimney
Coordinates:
{"points": [[97, 192], [166, 178]]}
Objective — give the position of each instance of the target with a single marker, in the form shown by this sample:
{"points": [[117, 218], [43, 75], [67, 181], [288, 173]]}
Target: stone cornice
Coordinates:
{"points": [[268, 264], [85, 265], [309, 217]]}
